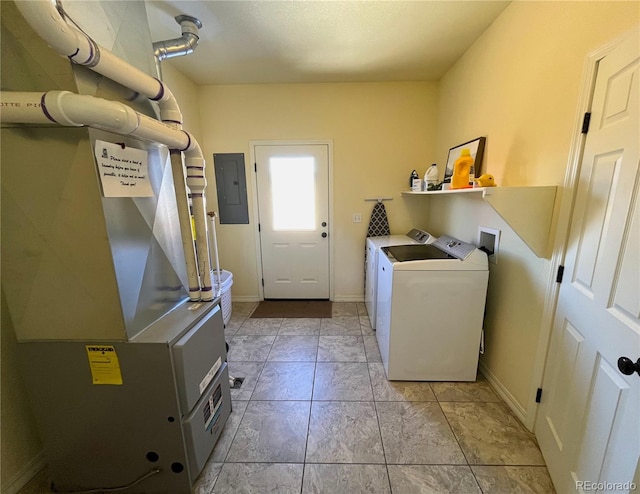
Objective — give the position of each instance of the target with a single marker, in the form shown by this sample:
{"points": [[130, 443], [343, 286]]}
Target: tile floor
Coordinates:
{"points": [[316, 414]]}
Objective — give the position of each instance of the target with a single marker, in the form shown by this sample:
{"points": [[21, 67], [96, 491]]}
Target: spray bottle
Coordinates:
{"points": [[415, 182]]}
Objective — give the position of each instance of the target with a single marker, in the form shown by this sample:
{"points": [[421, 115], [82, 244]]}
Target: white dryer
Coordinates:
{"points": [[414, 236], [430, 308]]}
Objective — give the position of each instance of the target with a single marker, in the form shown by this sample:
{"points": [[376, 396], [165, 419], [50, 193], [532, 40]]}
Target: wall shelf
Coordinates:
{"points": [[528, 210]]}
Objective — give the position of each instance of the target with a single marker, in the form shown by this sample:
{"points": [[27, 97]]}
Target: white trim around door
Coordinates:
{"points": [[256, 208], [563, 222]]}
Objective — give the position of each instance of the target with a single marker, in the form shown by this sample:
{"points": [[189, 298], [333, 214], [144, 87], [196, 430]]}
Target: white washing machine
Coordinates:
{"points": [[374, 244], [430, 308]]}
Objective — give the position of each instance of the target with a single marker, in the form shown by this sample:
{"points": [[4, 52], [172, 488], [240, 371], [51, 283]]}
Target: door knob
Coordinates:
{"points": [[628, 366], [324, 234]]}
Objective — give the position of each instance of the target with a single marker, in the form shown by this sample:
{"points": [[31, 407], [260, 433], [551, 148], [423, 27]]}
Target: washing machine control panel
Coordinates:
{"points": [[420, 236], [453, 246]]}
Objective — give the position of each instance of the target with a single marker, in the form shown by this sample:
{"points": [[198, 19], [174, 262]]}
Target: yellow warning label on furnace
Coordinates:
{"points": [[103, 361]]}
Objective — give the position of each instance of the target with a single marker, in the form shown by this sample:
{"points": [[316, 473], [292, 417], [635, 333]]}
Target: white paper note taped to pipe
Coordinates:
{"points": [[124, 172]]}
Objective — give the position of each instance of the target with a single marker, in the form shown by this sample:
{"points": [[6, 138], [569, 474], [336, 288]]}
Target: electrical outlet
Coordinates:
{"points": [[357, 218]]}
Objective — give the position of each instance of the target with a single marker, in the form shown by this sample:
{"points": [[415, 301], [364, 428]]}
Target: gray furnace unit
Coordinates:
{"points": [[127, 380], [149, 410]]}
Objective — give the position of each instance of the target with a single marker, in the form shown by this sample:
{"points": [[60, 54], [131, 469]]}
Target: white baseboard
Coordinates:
{"points": [[348, 298], [245, 298], [504, 393], [23, 477], [337, 298]]}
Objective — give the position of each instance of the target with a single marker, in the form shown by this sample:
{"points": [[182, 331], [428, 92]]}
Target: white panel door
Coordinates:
{"points": [[588, 425], [293, 203]]}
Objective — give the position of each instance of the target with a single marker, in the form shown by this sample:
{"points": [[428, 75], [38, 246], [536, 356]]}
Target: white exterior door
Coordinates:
{"points": [[588, 425], [293, 205]]}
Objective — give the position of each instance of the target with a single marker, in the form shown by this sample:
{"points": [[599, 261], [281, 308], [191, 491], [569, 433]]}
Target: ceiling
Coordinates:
{"points": [[306, 41]]}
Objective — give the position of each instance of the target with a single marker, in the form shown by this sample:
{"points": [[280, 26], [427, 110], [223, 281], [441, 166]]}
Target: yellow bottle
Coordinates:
{"points": [[461, 167]]}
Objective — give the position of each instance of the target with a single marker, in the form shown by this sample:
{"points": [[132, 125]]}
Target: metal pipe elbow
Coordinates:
{"points": [[178, 47]]}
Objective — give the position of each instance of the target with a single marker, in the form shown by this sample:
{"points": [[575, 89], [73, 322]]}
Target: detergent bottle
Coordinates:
{"points": [[431, 177], [461, 168]]}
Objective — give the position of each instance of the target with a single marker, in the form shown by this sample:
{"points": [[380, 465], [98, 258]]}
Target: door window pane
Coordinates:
{"points": [[293, 193]]}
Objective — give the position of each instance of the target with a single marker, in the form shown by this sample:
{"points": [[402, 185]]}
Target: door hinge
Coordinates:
{"points": [[560, 274], [538, 395], [255, 167], [259, 228], [263, 282], [585, 122]]}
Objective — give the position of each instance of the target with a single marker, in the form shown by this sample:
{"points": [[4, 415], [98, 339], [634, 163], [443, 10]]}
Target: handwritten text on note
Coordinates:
{"points": [[123, 172]]}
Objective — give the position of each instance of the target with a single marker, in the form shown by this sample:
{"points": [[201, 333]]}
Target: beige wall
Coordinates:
{"points": [[21, 446], [519, 85], [380, 132], [186, 93]]}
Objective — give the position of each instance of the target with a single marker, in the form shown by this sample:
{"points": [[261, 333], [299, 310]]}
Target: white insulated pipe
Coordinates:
{"points": [[70, 42], [78, 110], [185, 234], [214, 243], [74, 110], [68, 109], [197, 183]]}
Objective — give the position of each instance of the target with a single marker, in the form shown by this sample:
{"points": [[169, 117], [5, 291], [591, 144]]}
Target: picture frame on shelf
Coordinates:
{"points": [[476, 148]]}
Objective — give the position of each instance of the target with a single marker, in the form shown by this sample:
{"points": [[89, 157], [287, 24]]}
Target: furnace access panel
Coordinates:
{"points": [[150, 410]]}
